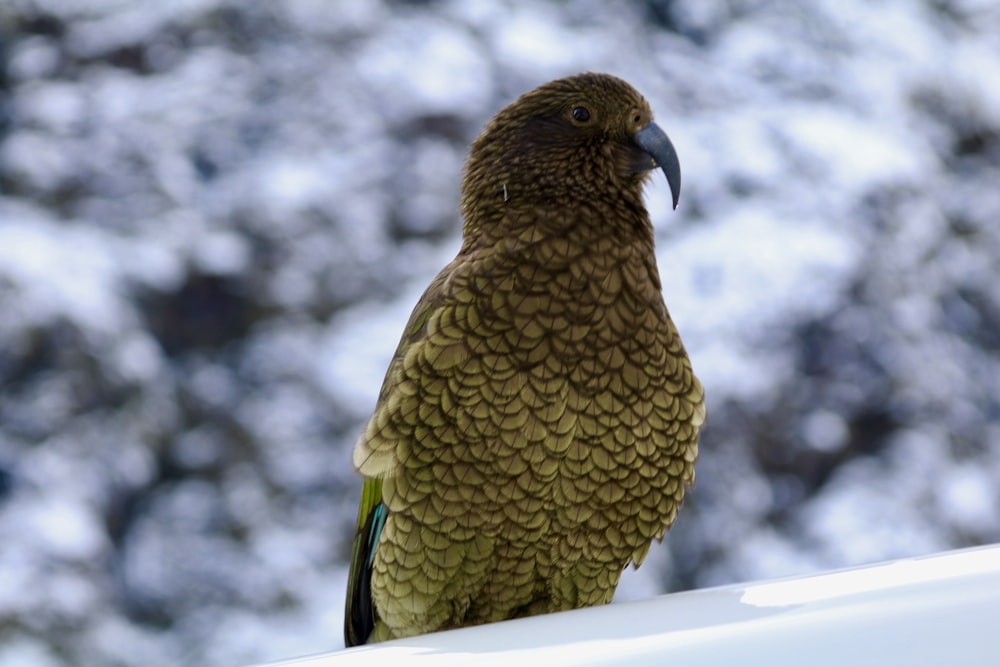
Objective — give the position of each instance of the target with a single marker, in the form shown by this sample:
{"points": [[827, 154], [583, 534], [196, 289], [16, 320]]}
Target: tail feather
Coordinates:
{"points": [[360, 614]]}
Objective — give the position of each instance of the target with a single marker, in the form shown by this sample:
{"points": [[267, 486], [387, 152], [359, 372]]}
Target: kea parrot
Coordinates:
{"points": [[538, 424]]}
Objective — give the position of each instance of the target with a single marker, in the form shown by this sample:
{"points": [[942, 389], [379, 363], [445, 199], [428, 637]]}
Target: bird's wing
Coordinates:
{"points": [[360, 614]]}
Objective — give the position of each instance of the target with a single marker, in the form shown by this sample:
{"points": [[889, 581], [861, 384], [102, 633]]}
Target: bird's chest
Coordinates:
{"points": [[565, 309], [576, 353]]}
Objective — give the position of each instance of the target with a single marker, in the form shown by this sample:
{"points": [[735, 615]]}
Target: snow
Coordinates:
{"points": [[968, 497], [33, 58], [356, 350], [825, 430], [83, 288], [23, 651], [221, 253], [64, 529], [452, 69], [762, 263], [216, 218], [861, 154], [530, 39]]}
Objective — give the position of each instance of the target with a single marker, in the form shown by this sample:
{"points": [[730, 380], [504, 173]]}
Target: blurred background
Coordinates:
{"points": [[215, 216]]}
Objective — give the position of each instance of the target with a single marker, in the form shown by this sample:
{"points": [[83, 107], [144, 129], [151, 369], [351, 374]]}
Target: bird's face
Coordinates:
{"points": [[584, 136]]}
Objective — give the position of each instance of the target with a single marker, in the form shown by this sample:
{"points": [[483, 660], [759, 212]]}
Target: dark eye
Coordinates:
{"points": [[581, 114]]}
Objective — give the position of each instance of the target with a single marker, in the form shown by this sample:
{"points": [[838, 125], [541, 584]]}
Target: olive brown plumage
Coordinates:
{"points": [[538, 424]]}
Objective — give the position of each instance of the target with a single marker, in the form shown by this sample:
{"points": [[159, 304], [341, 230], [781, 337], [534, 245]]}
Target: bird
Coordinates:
{"points": [[538, 424]]}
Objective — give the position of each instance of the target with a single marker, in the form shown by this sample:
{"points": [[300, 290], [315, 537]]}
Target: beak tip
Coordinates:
{"points": [[658, 146]]}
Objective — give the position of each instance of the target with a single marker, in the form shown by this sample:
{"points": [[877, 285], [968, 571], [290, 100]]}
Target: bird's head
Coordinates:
{"points": [[582, 137]]}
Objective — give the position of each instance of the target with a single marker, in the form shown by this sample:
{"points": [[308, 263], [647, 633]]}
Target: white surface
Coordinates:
{"points": [[936, 610]]}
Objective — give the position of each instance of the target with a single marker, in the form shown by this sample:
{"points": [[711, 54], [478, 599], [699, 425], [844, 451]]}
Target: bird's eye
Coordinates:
{"points": [[581, 114]]}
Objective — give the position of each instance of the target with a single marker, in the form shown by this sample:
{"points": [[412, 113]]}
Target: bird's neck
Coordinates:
{"points": [[582, 226], [493, 203], [580, 245]]}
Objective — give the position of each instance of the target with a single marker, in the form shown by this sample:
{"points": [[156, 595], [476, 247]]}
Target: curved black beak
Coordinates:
{"points": [[657, 145]]}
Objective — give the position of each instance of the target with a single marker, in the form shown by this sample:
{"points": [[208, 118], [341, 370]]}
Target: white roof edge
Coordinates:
{"points": [[942, 609]]}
